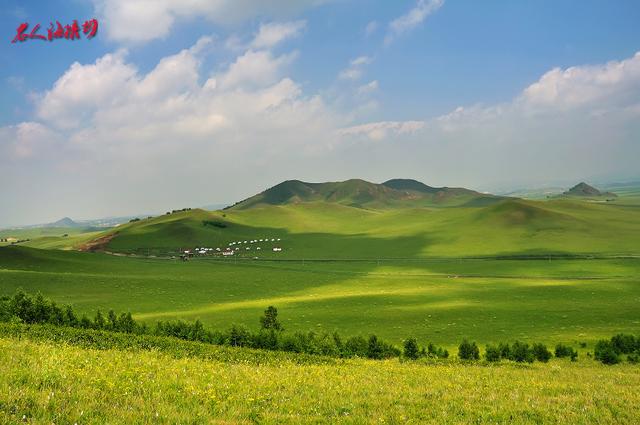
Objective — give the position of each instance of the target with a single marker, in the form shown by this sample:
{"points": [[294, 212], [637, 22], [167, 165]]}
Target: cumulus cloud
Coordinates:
{"points": [[272, 34], [23, 140], [255, 68], [145, 20], [412, 19], [610, 84]]}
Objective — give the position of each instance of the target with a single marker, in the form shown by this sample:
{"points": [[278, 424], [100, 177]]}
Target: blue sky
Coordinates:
{"points": [[440, 90]]}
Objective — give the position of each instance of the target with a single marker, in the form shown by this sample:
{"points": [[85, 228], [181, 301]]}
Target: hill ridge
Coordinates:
{"points": [[364, 194]]}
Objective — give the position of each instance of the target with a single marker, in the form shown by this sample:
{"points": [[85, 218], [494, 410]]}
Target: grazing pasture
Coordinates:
{"points": [[441, 300]]}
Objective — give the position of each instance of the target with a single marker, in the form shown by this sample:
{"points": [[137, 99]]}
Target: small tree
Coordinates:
{"points": [[492, 353], [624, 344], [565, 351], [605, 352], [411, 349], [98, 321], [238, 336], [521, 353], [270, 319], [375, 348], [505, 350], [541, 353], [468, 351]]}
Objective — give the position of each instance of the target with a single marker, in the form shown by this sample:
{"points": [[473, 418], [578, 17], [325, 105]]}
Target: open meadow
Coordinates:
{"points": [[44, 382]]}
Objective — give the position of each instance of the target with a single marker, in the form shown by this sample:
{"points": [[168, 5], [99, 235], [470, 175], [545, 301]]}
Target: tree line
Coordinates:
{"points": [[24, 308]]}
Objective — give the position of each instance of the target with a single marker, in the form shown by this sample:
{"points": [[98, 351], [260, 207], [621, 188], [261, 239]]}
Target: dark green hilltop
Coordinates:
{"points": [[364, 194]]}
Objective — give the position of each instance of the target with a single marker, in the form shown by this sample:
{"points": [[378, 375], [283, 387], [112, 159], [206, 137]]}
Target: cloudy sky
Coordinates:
{"points": [[194, 102]]}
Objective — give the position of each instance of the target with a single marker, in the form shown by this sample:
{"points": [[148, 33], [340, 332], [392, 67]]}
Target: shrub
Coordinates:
{"points": [[605, 352], [541, 353], [505, 350], [356, 346], [238, 336], [633, 358], [435, 352], [492, 353], [562, 351], [411, 349], [624, 344], [521, 353], [468, 351]]}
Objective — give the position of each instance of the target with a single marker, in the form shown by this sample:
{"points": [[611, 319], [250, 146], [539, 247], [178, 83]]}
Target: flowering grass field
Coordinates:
{"points": [[41, 382]]}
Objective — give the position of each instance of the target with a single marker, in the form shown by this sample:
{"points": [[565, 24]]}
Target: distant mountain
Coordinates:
{"points": [[64, 222], [584, 190], [364, 194]]}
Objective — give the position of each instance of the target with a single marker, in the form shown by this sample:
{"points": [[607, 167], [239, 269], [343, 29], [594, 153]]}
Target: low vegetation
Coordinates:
{"points": [[25, 309], [53, 381]]}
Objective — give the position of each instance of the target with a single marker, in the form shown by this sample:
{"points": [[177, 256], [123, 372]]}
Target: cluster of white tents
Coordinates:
{"points": [[254, 241], [231, 249]]}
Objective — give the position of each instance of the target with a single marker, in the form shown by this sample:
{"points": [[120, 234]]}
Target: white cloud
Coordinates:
{"points": [[412, 19], [355, 69], [272, 34], [368, 88], [382, 130], [145, 20], [371, 28], [604, 85], [23, 140], [255, 68], [83, 88]]}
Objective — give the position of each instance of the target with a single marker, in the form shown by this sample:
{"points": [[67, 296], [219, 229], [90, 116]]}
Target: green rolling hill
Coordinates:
{"points": [[362, 194]]}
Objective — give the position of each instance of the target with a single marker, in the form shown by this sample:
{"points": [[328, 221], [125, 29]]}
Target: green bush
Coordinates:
{"points": [[606, 352], [520, 352], [411, 349], [562, 351], [492, 353], [468, 351], [541, 353], [624, 344], [505, 350]]}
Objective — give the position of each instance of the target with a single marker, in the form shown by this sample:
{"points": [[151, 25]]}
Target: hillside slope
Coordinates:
{"points": [[364, 194], [333, 230]]}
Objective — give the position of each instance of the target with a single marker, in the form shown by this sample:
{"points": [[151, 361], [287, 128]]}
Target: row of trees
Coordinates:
{"points": [[518, 352], [37, 309]]}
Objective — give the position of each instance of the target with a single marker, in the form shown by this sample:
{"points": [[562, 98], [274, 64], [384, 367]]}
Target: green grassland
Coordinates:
{"points": [[50, 237], [42, 382], [441, 300]]}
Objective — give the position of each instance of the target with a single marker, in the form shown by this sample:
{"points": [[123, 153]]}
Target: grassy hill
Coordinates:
{"points": [[334, 230], [363, 194]]}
